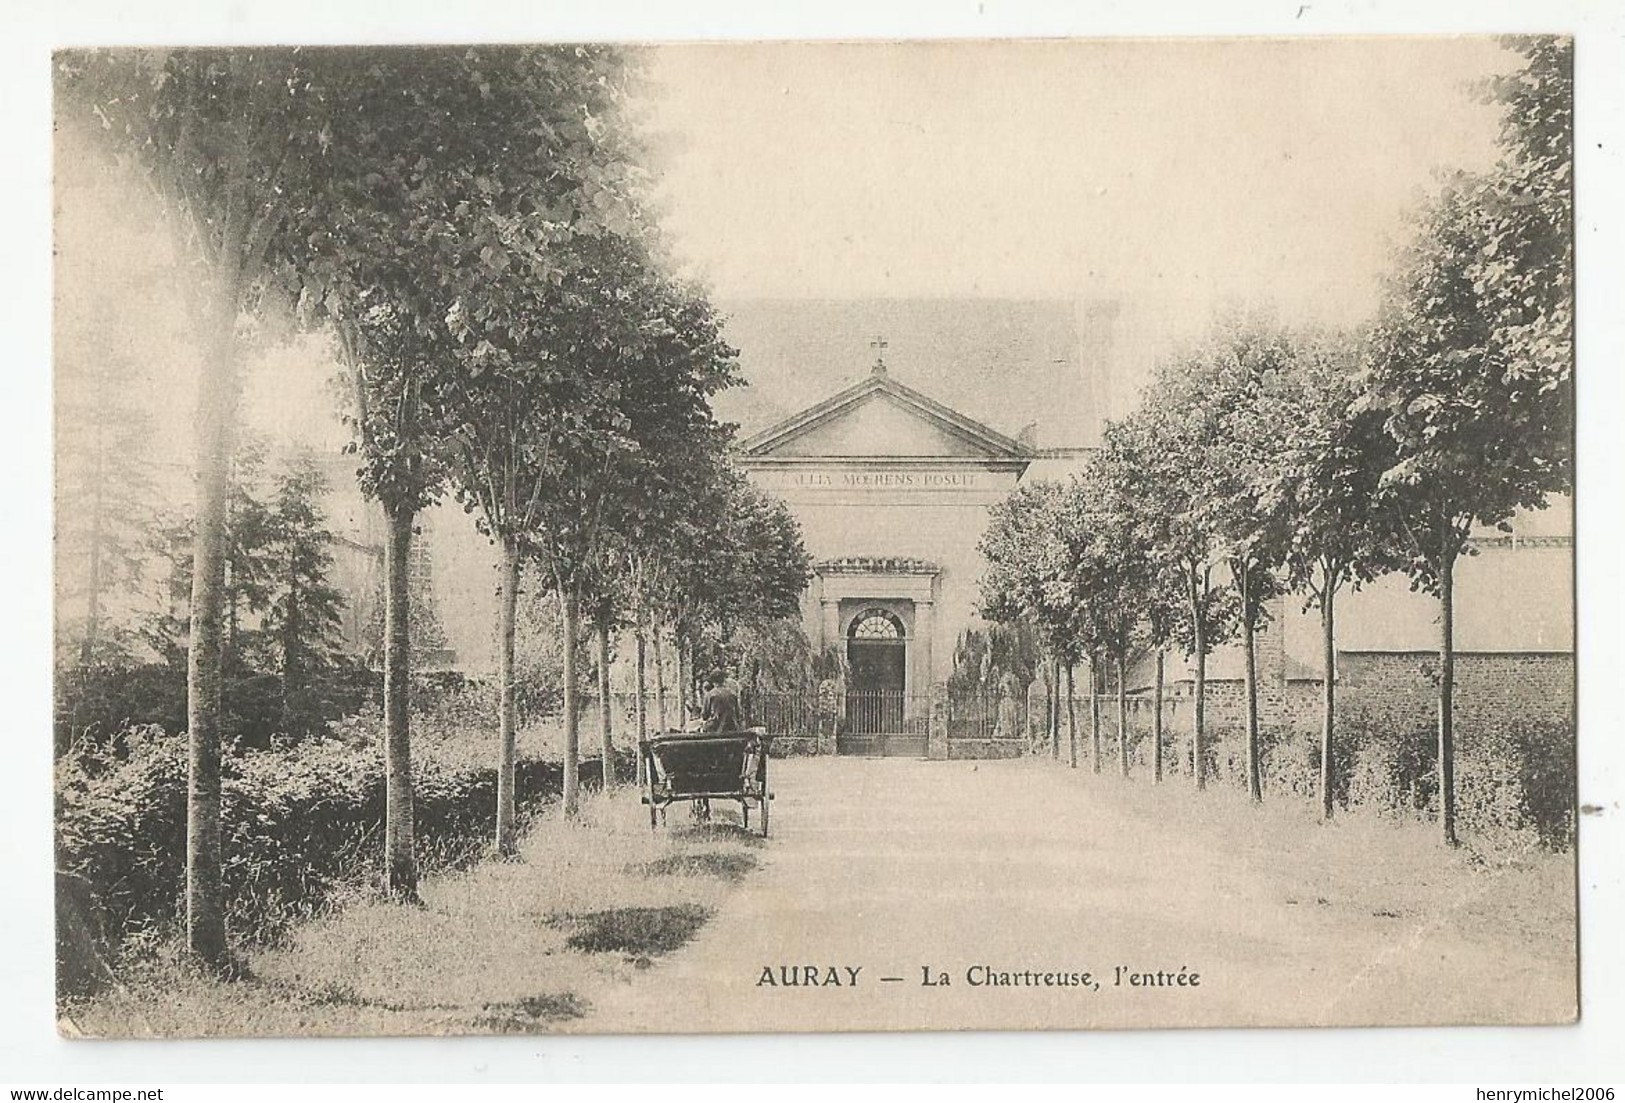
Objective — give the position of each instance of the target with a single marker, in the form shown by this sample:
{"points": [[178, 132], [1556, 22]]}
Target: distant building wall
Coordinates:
{"points": [[1399, 690], [1294, 705]]}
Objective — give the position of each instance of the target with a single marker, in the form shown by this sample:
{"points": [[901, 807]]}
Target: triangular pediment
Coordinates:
{"points": [[881, 417]]}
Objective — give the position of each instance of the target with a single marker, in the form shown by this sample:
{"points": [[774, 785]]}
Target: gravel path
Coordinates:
{"points": [[1028, 873]]}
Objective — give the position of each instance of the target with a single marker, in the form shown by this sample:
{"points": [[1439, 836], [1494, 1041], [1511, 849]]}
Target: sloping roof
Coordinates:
{"points": [[880, 384], [1010, 364]]}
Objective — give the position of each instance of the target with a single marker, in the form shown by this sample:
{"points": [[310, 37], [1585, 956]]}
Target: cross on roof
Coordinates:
{"points": [[879, 344]]}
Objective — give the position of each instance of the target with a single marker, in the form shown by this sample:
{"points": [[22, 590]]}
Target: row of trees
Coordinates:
{"points": [[1265, 461], [470, 226]]}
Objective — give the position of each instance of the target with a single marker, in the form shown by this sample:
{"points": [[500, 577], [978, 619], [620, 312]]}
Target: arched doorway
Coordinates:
{"points": [[877, 651]]}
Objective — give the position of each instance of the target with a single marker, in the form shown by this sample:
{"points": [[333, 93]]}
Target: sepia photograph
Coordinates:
{"points": [[1038, 534]]}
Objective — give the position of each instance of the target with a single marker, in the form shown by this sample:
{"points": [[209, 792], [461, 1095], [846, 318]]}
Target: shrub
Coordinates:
{"points": [[1289, 762], [1514, 782], [1517, 780], [100, 702], [298, 823]]}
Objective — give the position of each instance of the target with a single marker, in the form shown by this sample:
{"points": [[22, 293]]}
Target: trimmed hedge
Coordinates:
{"points": [[1514, 782], [298, 824]]}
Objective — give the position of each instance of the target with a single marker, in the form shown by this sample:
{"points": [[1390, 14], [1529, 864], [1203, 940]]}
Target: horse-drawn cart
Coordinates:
{"points": [[702, 767]]}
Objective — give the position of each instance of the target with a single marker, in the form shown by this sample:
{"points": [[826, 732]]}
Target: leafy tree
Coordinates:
{"points": [[666, 542], [1470, 439], [227, 139], [983, 657], [1524, 270], [667, 370], [1161, 449], [663, 530], [1075, 580], [385, 187], [772, 656], [749, 570], [1471, 364], [647, 356], [1127, 599], [1328, 469], [1024, 578], [1236, 373], [1137, 530], [765, 566], [452, 184], [524, 420]]}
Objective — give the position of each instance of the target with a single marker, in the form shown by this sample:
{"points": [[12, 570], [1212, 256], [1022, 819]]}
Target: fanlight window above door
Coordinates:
{"points": [[877, 624]]}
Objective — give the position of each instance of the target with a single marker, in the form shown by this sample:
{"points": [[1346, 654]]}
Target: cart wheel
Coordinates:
{"points": [[766, 797], [654, 816], [744, 814]]}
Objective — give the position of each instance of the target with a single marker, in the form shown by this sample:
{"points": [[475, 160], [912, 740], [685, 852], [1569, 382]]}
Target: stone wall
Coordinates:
{"points": [[986, 748], [1281, 704], [793, 746], [1399, 690], [1393, 691]]}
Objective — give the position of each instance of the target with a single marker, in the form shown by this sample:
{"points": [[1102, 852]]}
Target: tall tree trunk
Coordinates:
{"points": [[1122, 717], [290, 649], [1199, 639], [93, 599], [606, 723], [507, 709], [1053, 703], [400, 860], [643, 687], [1447, 690], [216, 412], [1249, 679], [572, 703], [1156, 724], [660, 677], [1328, 703], [1094, 713], [1071, 716], [684, 679], [228, 582]]}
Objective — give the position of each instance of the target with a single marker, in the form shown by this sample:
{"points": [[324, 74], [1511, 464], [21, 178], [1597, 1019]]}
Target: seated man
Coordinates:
{"points": [[720, 712]]}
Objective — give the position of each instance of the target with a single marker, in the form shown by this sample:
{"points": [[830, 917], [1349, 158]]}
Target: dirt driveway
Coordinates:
{"points": [[1033, 896]]}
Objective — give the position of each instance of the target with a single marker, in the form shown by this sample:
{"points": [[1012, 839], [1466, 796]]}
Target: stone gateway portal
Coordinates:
{"points": [[892, 490], [877, 654]]}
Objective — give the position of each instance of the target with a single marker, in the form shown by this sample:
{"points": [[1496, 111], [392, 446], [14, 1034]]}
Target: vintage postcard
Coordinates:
{"points": [[868, 536]]}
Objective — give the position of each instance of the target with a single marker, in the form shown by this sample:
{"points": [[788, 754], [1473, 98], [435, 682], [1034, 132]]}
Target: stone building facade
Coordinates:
{"points": [[892, 490]]}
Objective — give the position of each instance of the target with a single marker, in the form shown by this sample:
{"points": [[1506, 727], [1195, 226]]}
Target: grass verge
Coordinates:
{"points": [[503, 947]]}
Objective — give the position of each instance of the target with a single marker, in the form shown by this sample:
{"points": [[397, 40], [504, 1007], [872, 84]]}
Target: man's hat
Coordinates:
{"points": [[718, 676]]}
